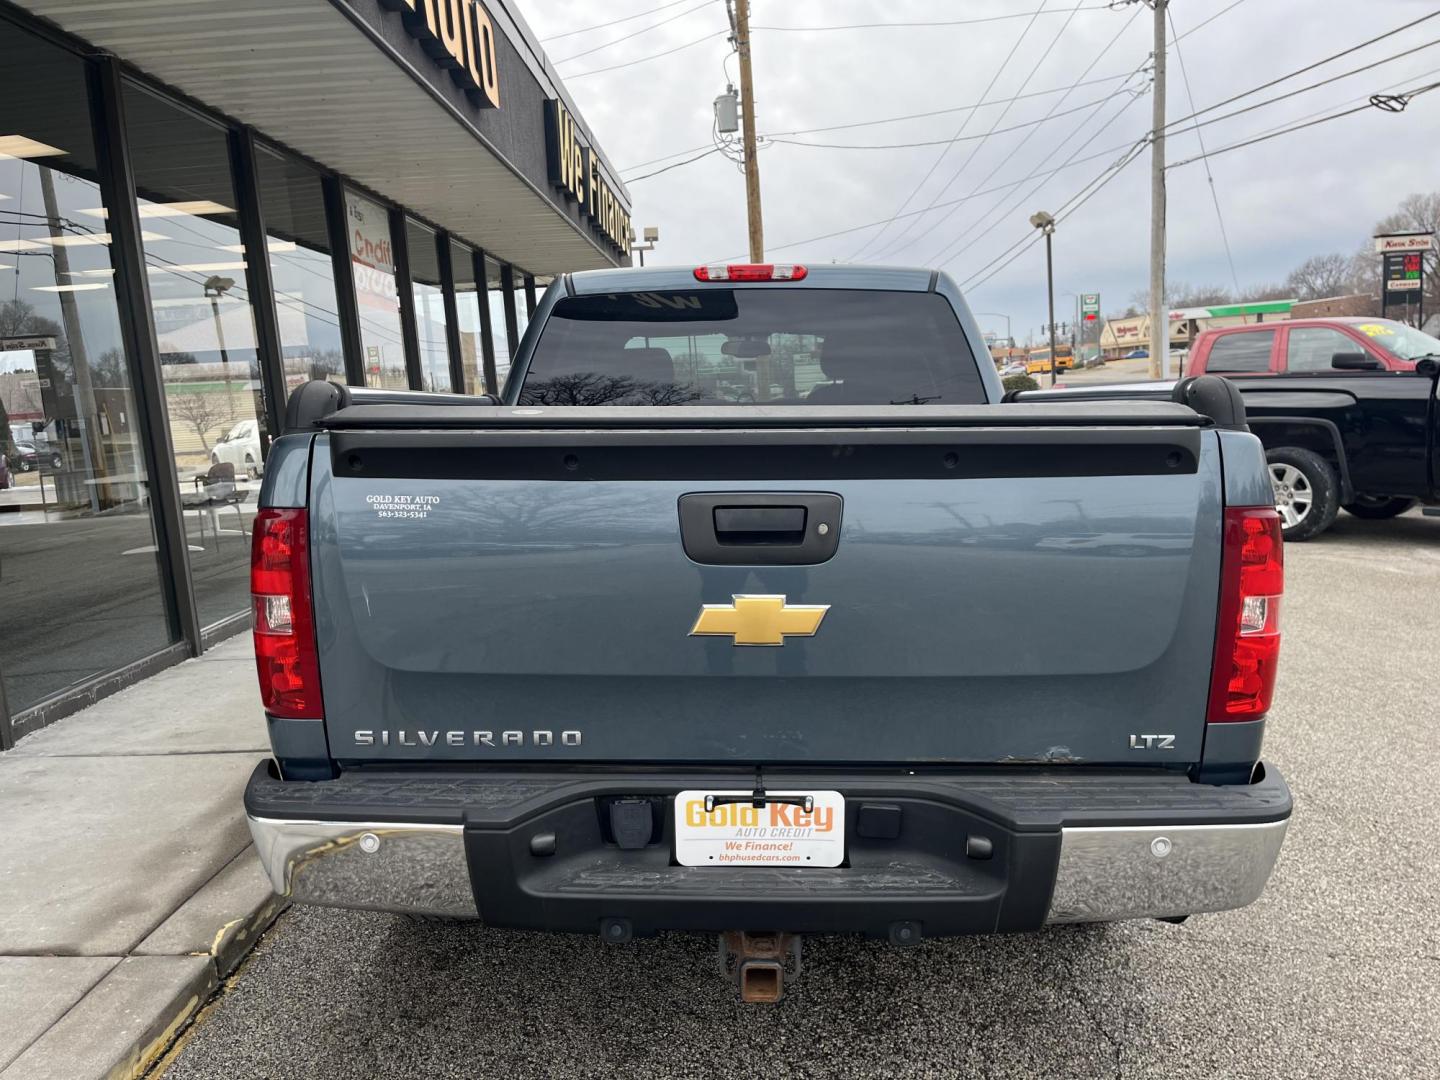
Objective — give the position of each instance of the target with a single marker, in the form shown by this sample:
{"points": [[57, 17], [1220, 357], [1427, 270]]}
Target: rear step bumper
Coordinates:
{"points": [[971, 852]]}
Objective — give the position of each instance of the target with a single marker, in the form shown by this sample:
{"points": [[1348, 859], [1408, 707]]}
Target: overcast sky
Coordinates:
{"points": [[1311, 192]]}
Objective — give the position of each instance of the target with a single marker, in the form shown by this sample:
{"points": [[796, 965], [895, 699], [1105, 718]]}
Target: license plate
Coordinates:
{"points": [[776, 834]]}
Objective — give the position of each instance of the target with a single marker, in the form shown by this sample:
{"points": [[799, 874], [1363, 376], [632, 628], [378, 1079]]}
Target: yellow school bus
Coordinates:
{"points": [[1038, 361]]}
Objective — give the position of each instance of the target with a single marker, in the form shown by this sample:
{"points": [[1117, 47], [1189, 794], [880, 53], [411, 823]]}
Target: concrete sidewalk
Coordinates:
{"points": [[128, 884]]}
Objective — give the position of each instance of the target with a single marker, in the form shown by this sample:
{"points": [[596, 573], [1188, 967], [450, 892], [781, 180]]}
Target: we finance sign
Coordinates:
{"points": [[574, 169]]}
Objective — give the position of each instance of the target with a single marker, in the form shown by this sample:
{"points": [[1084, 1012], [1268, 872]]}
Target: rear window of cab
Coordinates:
{"points": [[752, 346]]}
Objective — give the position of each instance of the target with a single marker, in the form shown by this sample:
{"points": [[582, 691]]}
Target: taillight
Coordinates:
{"points": [[1247, 636], [751, 272], [285, 653]]}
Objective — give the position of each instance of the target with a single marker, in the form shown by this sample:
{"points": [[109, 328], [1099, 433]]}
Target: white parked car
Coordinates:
{"points": [[240, 446]]}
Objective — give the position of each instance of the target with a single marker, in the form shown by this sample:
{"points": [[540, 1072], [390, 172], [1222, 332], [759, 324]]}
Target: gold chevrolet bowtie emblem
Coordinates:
{"points": [[759, 620]]}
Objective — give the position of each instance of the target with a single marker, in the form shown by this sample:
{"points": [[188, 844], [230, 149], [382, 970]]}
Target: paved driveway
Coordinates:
{"points": [[1334, 973]]}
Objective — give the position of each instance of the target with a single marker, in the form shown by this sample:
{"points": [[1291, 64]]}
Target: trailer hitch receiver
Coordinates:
{"points": [[759, 963]]}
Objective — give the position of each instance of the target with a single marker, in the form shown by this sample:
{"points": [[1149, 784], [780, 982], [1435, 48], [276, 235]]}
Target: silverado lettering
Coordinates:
{"points": [[401, 737]]}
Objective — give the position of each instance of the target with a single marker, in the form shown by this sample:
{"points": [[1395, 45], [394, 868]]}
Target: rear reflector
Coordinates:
{"points": [[285, 653], [751, 272], [1247, 634]]}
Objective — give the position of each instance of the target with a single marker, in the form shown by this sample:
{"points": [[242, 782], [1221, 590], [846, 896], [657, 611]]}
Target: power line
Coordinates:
{"points": [[1203, 22], [612, 22], [1010, 185], [954, 108], [1069, 207], [1307, 67], [950, 251], [1403, 99], [1292, 93], [927, 23], [947, 142], [665, 157], [667, 168], [1067, 210], [1052, 113], [898, 119], [637, 33], [902, 242], [643, 59], [1209, 177], [958, 132]]}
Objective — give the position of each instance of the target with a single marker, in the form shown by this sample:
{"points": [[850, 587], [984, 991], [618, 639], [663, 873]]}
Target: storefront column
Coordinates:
{"points": [[137, 328], [259, 281], [346, 306], [507, 294], [487, 327], [452, 311], [400, 241], [529, 296]]}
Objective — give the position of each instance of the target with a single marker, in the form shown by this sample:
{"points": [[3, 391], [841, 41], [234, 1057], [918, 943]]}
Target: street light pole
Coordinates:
{"points": [[652, 237], [1046, 224]]}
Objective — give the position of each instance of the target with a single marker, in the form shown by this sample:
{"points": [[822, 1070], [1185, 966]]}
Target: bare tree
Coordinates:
{"points": [[593, 388], [1322, 276], [199, 411]]}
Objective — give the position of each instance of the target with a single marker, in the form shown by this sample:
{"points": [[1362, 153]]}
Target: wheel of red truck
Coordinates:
{"points": [[1306, 494], [1378, 507]]}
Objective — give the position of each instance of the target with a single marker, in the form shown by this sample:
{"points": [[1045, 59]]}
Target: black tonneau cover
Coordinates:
{"points": [[407, 416]]}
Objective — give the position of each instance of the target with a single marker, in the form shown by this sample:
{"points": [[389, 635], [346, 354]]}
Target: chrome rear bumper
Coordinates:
{"points": [[1103, 874], [1162, 871], [420, 869]]}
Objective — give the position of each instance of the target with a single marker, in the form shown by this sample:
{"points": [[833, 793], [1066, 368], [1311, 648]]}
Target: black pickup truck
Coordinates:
{"points": [[1346, 410]]}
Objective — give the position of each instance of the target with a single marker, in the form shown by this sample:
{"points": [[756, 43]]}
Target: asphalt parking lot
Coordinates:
{"points": [[1335, 972]]}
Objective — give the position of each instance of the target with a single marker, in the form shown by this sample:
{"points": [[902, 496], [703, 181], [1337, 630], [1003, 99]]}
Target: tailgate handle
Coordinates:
{"points": [[760, 528], [760, 524]]}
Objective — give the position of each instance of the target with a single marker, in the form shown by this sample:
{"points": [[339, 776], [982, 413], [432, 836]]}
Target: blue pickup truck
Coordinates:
{"points": [[752, 609]]}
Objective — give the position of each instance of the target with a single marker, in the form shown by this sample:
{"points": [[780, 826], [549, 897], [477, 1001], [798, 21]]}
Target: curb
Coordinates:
{"points": [[128, 1021]]}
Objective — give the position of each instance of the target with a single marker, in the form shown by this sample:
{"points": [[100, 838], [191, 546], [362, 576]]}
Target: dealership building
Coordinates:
{"points": [[204, 203]]}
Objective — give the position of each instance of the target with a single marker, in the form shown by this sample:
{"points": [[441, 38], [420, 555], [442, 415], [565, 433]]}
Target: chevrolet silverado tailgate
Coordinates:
{"points": [[998, 584]]}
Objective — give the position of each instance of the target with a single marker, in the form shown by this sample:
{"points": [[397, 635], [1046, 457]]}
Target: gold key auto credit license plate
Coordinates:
{"points": [[776, 834]]}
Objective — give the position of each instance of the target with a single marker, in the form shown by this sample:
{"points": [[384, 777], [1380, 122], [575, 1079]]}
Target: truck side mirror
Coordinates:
{"points": [[1355, 361]]}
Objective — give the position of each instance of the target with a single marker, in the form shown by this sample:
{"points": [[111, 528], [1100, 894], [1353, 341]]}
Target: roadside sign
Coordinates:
{"points": [[1403, 271], [1398, 242], [16, 344], [1090, 306]]}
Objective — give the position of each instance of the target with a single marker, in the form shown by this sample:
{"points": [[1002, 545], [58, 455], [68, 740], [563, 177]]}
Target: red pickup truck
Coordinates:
{"points": [[1308, 346]]}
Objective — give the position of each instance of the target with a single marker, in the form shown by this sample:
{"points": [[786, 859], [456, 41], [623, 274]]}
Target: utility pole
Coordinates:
{"points": [[741, 27], [1159, 310]]}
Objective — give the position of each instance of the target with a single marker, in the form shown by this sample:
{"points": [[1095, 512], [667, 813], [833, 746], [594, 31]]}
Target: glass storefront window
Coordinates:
{"points": [[206, 332], [80, 589], [522, 307], [467, 308], [429, 307], [372, 263], [293, 203], [495, 296]]}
